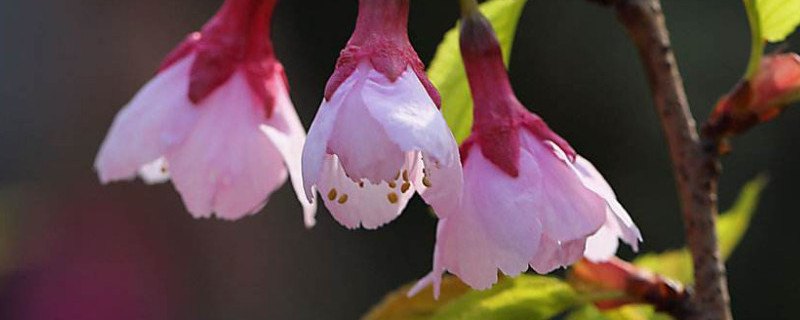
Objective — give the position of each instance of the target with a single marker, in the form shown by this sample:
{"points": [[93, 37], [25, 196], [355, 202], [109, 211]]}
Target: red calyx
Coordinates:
{"points": [[497, 112], [236, 37], [380, 37]]}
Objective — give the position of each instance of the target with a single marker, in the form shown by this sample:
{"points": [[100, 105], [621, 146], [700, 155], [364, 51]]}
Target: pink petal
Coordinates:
{"points": [[555, 254], [286, 132], [227, 165], [362, 144], [405, 111], [493, 228], [408, 115], [505, 206], [565, 207], [363, 203], [316, 146], [158, 118], [618, 222]]}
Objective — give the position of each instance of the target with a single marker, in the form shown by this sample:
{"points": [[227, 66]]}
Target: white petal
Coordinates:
{"points": [[361, 204], [228, 165], [155, 172], [603, 245], [158, 118]]}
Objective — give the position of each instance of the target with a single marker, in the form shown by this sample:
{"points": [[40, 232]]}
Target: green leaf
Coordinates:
{"points": [[526, 297], [398, 306], [778, 18], [446, 71], [770, 21], [674, 264], [627, 312], [731, 227]]}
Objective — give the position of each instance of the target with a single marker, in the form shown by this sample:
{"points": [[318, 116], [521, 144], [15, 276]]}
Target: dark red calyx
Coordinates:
{"points": [[380, 38], [497, 112], [236, 38]]}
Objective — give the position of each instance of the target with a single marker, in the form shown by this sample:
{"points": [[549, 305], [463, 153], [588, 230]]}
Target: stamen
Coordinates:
{"points": [[405, 175], [392, 184], [164, 169], [343, 199], [392, 198], [332, 194], [405, 187], [397, 176], [361, 184], [426, 182]]}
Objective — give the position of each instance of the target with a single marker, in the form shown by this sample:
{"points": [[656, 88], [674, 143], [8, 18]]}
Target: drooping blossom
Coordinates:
{"points": [[217, 120], [379, 136], [758, 99], [528, 198]]}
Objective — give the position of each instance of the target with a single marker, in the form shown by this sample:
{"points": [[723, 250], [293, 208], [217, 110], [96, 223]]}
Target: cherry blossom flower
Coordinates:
{"points": [[528, 198], [217, 120], [378, 136]]}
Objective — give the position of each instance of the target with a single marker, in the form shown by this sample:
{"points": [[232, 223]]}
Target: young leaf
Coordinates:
{"points": [[770, 21], [446, 71], [398, 306], [731, 227], [778, 18], [526, 297]]}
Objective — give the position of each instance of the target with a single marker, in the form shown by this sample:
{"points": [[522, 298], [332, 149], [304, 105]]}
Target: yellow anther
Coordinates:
{"points": [[343, 199], [426, 182], [361, 184], [392, 198], [405, 175], [405, 187], [392, 184], [397, 176], [163, 169], [332, 194]]}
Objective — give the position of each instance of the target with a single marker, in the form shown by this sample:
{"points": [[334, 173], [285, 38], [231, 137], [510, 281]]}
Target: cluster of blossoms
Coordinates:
{"points": [[218, 121]]}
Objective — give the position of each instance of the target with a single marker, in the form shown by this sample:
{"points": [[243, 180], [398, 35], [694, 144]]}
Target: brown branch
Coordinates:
{"points": [[694, 160]]}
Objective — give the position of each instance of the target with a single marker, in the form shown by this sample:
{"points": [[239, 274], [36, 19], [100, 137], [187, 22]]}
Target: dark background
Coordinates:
{"points": [[72, 249]]}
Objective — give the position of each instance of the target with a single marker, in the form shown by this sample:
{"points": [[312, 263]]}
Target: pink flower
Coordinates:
{"points": [[528, 198], [378, 136], [217, 120]]}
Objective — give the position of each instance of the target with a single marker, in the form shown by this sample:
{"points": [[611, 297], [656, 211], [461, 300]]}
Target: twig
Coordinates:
{"points": [[694, 160]]}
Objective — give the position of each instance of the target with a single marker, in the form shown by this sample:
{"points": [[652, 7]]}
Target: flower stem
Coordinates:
{"points": [[756, 42], [468, 7], [694, 160]]}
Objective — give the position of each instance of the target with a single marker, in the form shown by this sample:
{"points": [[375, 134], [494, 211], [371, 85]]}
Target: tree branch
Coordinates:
{"points": [[694, 160]]}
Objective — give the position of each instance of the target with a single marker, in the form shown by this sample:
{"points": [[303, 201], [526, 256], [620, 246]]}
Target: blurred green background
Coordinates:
{"points": [[72, 249]]}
